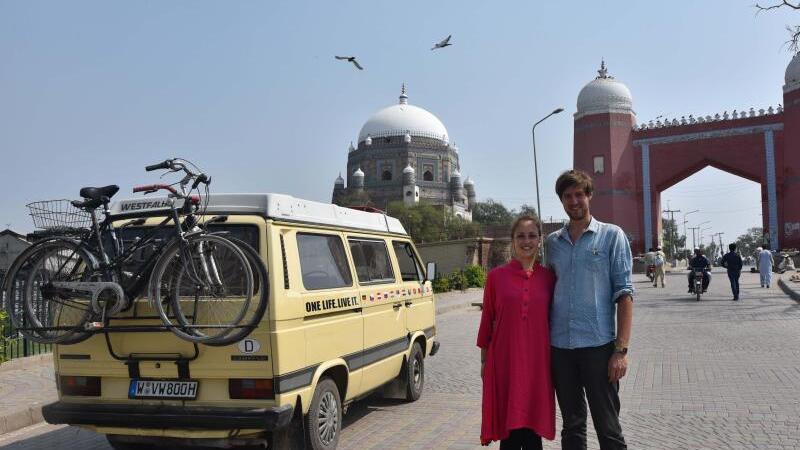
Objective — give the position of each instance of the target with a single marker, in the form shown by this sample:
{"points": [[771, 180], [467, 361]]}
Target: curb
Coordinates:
{"points": [[449, 308], [21, 418], [793, 294], [31, 414]]}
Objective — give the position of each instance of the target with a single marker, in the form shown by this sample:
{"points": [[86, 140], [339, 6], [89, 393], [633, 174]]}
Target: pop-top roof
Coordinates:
{"points": [[275, 206]]}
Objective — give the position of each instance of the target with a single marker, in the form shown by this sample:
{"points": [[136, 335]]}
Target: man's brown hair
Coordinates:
{"points": [[574, 177]]}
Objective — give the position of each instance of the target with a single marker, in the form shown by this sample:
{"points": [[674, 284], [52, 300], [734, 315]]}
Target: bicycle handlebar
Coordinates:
{"points": [[162, 165], [155, 187]]}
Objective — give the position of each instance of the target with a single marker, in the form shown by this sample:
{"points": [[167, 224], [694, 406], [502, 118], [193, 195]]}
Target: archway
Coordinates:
{"points": [[711, 205]]}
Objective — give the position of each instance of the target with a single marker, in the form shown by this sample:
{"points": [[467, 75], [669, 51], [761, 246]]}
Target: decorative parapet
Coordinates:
{"points": [[691, 119]]}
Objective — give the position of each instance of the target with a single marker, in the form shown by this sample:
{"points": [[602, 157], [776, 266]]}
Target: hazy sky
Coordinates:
{"points": [[92, 91]]}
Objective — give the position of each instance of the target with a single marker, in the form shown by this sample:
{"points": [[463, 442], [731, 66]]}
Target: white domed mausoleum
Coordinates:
{"points": [[633, 163], [404, 153]]}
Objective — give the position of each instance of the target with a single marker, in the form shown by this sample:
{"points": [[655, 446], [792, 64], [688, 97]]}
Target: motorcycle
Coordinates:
{"points": [[697, 282]]}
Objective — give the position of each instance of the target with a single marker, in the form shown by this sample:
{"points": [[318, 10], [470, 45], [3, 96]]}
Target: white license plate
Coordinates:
{"points": [[178, 389]]}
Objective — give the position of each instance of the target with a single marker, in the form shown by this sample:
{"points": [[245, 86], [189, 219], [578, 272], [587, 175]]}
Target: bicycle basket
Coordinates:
{"points": [[58, 215]]}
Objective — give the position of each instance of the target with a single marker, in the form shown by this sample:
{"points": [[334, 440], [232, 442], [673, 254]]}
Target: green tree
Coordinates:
{"points": [[671, 241], [525, 210], [355, 199], [491, 212], [746, 244]]}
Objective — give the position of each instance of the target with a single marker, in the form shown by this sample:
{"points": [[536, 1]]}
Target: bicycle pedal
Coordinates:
{"points": [[91, 326]]}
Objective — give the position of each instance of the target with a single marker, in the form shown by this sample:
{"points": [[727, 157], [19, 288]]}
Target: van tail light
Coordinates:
{"points": [[250, 388], [82, 386]]}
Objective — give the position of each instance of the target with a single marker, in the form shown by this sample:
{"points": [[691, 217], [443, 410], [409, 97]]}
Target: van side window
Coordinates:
{"points": [[371, 258], [323, 261], [410, 269]]}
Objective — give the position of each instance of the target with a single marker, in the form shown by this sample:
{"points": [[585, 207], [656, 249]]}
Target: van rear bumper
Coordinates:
{"points": [[159, 416]]}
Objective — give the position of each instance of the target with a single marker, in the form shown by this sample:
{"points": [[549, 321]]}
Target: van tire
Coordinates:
{"points": [[415, 373], [326, 406]]}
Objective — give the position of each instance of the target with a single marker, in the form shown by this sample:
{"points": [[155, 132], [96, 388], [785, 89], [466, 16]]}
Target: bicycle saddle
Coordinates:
{"points": [[97, 193], [95, 196]]}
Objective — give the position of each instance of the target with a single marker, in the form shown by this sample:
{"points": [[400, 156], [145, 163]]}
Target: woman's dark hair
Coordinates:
{"points": [[524, 218], [577, 178]]}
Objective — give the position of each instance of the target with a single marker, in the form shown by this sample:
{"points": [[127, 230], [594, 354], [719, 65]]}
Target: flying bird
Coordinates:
{"points": [[443, 43], [351, 59]]}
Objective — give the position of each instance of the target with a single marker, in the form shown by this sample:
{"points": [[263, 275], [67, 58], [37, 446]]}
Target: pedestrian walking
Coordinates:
{"points": [[518, 406], [593, 294], [733, 262], [659, 260], [765, 263]]}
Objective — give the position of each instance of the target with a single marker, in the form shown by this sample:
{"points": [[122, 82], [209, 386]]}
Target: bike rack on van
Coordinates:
{"points": [[132, 360]]}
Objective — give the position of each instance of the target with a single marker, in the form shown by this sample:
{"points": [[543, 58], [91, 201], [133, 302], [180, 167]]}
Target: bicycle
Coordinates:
{"points": [[204, 286]]}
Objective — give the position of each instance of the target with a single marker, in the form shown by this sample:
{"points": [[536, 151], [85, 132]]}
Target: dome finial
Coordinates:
{"points": [[403, 96], [603, 72]]}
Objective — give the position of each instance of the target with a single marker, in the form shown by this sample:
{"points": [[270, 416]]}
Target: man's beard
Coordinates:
{"points": [[577, 215]]}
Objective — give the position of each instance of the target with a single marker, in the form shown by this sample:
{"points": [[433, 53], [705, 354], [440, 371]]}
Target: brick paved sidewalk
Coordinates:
{"points": [[26, 385]]}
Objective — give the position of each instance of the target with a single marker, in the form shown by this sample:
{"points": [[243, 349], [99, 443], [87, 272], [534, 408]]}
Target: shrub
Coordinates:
{"points": [[441, 284], [458, 281], [476, 276]]}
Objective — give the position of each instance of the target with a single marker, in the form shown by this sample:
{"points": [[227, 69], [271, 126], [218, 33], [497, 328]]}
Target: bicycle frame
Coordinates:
{"points": [[111, 265]]}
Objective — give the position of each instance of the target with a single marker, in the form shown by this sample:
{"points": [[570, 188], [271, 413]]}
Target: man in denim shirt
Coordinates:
{"points": [[592, 261]]}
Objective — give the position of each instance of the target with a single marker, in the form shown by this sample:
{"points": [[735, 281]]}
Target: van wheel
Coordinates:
{"points": [[415, 373], [324, 419]]}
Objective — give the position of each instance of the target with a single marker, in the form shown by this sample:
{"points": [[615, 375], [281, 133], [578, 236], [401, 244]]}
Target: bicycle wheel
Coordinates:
{"points": [[257, 308], [39, 311], [203, 288]]}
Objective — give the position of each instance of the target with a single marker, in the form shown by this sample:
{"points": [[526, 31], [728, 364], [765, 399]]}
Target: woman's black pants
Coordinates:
{"points": [[522, 438], [582, 374]]}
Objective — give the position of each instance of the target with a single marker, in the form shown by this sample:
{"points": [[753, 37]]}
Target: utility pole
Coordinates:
{"points": [[694, 243], [721, 250], [671, 213]]}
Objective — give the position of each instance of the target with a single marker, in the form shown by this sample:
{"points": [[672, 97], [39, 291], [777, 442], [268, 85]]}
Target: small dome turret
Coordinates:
{"points": [[604, 94], [358, 179], [339, 180], [368, 140], [409, 176], [407, 138], [792, 76]]}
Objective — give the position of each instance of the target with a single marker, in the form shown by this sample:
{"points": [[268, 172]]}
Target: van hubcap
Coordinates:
{"points": [[328, 418]]}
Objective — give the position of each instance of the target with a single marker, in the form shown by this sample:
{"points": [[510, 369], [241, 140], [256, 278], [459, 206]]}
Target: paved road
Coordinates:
{"points": [[708, 375]]}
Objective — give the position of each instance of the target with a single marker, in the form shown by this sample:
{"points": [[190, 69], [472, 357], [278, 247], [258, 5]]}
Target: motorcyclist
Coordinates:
{"points": [[699, 261]]}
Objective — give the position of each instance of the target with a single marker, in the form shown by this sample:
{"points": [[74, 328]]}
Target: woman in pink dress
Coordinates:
{"points": [[514, 337]]}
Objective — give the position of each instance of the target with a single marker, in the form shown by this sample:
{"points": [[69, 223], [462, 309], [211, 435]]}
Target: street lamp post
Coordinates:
{"points": [[684, 227], [535, 165], [701, 233]]}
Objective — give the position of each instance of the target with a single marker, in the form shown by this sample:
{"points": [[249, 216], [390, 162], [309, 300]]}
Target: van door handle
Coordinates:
{"points": [[397, 305], [357, 310], [409, 303]]}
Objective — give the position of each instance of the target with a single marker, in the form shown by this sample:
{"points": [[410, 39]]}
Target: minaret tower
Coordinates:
{"points": [[603, 149]]}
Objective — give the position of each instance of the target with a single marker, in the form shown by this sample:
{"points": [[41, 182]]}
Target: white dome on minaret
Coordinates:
{"points": [[409, 169], [792, 77], [604, 94], [403, 119]]}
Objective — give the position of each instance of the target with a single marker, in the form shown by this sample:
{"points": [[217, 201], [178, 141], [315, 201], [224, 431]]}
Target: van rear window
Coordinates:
{"points": [[372, 261], [246, 233], [323, 261]]}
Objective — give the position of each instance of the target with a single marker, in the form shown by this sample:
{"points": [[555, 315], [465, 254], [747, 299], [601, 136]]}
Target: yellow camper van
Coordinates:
{"points": [[351, 310]]}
